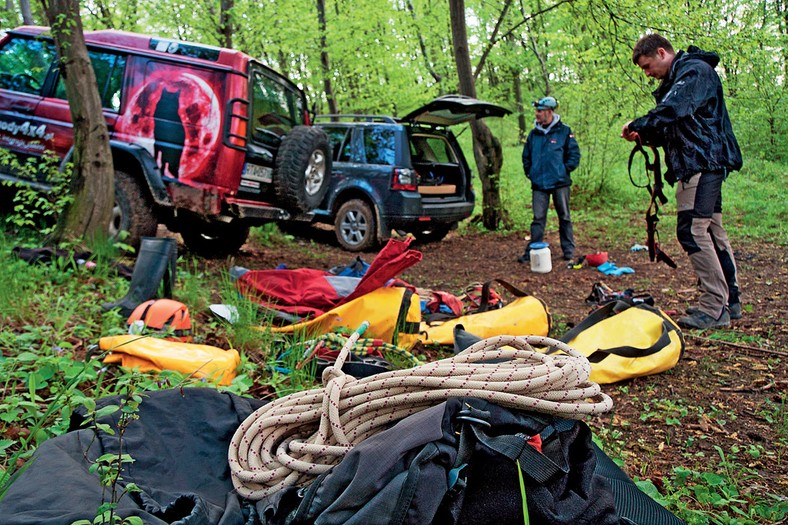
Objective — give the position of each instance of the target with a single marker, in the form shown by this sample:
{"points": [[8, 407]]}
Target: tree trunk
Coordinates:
{"points": [[225, 23], [324, 59], [487, 151], [92, 181], [27, 13], [518, 100]]}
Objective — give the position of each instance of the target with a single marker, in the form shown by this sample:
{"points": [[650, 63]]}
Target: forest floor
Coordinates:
{"points": [[723, 407]]}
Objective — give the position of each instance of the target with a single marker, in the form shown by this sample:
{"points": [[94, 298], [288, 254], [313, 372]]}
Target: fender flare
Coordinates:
{"points": [[147, 164], [340, 195]]}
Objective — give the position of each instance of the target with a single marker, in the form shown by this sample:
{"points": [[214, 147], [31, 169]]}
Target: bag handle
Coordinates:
{"points": [[611, 309], [598, 315], [506, 285]]}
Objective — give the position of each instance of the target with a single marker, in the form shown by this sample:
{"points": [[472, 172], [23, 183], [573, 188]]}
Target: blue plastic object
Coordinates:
{"points": [[538, 245]]}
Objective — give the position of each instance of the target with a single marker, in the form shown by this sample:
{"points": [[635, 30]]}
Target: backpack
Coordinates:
{"points": [[456, 463]]}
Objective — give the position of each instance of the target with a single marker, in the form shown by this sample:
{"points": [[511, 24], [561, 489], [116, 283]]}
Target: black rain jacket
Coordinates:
{"points": [[691, 121], [549, 158]]}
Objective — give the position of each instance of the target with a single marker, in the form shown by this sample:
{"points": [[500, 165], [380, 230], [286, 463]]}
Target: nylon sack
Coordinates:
{"points": [[622, 341], [524, 315], [150, 353], [393, 314]]}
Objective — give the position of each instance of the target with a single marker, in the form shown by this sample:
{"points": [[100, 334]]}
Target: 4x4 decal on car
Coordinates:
{"points": [[205, 140]]}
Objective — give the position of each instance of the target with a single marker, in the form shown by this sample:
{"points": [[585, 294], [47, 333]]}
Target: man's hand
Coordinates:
{"points": [[626, 134]]}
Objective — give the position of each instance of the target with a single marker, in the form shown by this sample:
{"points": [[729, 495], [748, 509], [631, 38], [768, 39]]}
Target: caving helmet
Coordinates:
{"points": [[546, 103], [162, 315]]}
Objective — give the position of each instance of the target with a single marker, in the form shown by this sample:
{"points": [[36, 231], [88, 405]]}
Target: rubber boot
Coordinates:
{"points": [[156, 261]]}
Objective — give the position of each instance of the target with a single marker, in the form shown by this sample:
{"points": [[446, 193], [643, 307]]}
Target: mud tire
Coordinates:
{"points": [[133, 211], [302, 169]]}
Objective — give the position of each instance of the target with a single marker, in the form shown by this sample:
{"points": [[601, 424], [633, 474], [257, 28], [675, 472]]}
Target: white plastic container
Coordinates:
{"points": [[540, 258]]}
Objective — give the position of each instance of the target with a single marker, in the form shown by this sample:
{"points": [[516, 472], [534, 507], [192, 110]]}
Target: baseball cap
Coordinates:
{"points": [[546, 103]]}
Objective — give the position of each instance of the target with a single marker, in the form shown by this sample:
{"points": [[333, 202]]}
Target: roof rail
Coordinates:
{"points": [[357, 118]]}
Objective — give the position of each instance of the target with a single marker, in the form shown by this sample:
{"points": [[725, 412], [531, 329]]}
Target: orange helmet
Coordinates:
{"points": [[163, 315]]}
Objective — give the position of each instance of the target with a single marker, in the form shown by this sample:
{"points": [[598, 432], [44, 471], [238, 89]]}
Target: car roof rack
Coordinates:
{"points": [[357, 118]]}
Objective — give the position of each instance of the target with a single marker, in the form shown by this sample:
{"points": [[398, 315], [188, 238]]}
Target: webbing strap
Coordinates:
{"points": [[534, 464], [403, 325]]}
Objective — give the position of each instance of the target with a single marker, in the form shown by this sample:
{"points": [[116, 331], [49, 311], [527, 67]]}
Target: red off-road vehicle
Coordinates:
{"points": [[207, 141]]}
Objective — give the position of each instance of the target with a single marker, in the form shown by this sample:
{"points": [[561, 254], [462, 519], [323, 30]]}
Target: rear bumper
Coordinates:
{"points": [[418, 215]]}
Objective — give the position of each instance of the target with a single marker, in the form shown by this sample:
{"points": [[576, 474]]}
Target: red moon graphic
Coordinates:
{"points": [[197, 109]]}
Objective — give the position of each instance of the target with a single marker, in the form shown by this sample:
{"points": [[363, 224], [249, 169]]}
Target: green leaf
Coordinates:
{"points": [[106, 411]]}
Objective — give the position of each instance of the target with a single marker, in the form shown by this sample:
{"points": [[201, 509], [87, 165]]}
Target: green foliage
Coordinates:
{"points": [[33, 213]]}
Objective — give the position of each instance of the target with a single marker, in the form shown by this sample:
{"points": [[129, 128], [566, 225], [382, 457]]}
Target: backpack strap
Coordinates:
{"points": [[535, 465]]}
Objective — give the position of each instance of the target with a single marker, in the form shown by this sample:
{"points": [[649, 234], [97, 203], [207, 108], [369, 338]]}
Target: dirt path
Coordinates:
{"points": [[729, 392]]}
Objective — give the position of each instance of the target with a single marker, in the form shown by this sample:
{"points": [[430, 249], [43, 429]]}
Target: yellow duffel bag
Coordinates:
{"points": [[622, 341], [150, 353], [524, 315], [393, 314]]}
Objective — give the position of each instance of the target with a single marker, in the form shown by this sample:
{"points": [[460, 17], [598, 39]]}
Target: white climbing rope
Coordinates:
{"points": [[297, 437]]}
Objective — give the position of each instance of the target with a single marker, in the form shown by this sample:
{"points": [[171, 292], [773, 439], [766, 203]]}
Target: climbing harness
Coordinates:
{"points": [[652, 168], [293, 439]]}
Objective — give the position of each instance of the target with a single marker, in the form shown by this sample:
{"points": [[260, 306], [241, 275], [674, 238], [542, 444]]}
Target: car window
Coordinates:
{"points": [[276, 108], [431, 148], [24, 65], [109, 77], [380, 144], [339, 138]]}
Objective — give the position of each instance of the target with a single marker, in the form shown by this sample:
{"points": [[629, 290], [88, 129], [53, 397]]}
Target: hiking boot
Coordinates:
{"points": [[524, 259], [701, 321], [568, 256], [734, 310]]}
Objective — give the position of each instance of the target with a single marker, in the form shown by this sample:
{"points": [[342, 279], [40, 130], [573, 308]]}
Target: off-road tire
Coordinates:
{"points": [[133, 211], [214, 240], [302, 169], [355, 226]]}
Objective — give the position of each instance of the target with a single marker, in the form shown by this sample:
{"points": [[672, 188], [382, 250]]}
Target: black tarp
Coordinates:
{"points": [[179, 445]]}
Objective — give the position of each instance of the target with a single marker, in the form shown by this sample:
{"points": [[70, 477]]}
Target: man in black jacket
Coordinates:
{"points": [[691, 124], [550, 154]]}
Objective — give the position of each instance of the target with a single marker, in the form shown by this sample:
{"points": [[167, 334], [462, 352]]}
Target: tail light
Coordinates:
{"points": [[235, 125], [404, 179], [307, 120]]}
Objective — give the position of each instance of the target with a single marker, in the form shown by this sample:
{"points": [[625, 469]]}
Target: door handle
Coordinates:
{"points": [[21, 108]]}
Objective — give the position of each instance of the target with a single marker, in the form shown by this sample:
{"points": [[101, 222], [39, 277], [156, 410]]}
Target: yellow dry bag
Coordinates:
{"points": [[393, 313], [623, 341]]}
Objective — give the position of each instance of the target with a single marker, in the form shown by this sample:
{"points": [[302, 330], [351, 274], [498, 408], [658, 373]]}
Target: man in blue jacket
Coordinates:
{"points": [[550, 154], [691, 124]]}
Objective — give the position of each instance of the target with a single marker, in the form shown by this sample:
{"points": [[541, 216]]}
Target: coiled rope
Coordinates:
{"points": [[297, 437]]}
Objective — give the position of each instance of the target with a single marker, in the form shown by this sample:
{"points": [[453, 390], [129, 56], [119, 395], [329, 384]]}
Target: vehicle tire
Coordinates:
{"points": [[214, 240], [133, 211], [436, 234], [303, 168], [355, 226]]}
